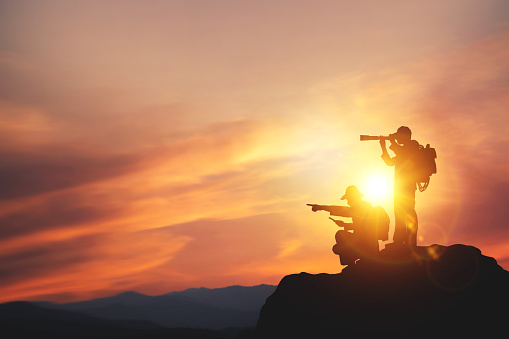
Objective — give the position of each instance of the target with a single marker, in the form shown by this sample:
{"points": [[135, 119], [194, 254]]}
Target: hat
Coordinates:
{"points": [[352, 192]]}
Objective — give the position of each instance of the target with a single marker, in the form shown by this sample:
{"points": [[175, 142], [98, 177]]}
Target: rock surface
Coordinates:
{"points": [[429, 291]]}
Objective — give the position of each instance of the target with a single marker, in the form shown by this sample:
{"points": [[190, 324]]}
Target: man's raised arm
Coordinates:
{"points": [[385, 155]]}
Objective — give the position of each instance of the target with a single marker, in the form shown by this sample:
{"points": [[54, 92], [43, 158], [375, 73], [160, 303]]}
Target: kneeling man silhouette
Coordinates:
{"points": [[358, 239]]}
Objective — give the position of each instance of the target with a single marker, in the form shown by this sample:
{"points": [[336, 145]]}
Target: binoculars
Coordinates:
{"points": [[372, 137]]}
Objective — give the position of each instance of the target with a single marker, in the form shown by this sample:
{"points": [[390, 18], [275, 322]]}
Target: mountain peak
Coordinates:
{"points": [[429, 290]]}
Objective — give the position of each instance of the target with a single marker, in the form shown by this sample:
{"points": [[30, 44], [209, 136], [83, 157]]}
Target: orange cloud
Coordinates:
{"points": [[109, 187], [220, 171]]}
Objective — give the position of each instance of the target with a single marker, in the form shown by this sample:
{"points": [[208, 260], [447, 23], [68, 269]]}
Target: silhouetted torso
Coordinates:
{"points": [[363, 241], [404, 165], [359, 213]]}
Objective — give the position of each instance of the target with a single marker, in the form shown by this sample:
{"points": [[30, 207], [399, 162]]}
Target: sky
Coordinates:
{"points": [[156, 146]]}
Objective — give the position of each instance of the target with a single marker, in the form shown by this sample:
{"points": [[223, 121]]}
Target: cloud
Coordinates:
{"points": [[45, 259], [61, 193], [65, 184], [24, 174], [202, 180], [62, 211], [82, 266], [242, 250]]}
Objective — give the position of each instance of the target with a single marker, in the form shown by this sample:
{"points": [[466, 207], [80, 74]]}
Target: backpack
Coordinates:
{"points": [[380, 219], [425, 166]]}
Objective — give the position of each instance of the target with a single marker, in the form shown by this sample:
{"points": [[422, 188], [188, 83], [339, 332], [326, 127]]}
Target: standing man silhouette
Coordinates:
{"points": [[405, 150]]}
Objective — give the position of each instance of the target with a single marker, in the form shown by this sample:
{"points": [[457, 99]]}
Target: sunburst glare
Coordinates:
{"points": [[377, 188]]}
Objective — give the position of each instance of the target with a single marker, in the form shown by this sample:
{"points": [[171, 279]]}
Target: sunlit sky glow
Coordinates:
{"points": [[377, 189], [161, 145]]}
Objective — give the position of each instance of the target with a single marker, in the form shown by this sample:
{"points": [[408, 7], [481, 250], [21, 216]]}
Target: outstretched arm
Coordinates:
{"points": [[340, 211]]}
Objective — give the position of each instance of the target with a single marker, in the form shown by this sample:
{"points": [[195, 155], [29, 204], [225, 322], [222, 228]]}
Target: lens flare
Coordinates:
{"points": [[377, 188]]}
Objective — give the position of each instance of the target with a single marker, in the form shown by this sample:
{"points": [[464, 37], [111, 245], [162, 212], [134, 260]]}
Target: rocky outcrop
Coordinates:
{"points": [[433, 291]]}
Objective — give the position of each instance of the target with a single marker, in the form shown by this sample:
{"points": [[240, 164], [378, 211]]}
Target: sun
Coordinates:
{"points": [[377, 188]]}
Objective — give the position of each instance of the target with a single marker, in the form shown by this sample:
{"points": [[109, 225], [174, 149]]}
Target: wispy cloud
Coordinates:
{"points": [[164, 147]]}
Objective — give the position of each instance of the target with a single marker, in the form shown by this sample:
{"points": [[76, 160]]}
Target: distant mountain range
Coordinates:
{"points": [[234, 306], [26, 320]]}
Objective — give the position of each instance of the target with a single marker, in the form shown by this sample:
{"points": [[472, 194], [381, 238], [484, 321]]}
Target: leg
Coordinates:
{"points": [[366, 249], [343, 247], [412, 226], [410, 218], [399, 220]]}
